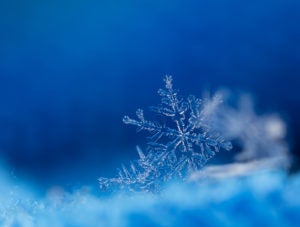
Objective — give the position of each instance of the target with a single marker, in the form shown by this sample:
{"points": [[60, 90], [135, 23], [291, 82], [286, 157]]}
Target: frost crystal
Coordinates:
{"points": [[178, 146]]}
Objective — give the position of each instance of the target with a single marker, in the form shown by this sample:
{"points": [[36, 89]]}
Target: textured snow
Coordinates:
{"points": [[265, 197]]}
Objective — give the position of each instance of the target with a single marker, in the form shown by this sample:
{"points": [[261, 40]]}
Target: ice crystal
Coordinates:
{"points": [[178, 145], [259, 136]]}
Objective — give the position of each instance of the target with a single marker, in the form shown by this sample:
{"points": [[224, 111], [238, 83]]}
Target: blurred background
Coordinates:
{"points": [[70, 70]]}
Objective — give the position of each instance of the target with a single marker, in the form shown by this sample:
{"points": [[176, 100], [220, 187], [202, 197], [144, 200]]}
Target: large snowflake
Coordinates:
{"points": [[180, 143]]}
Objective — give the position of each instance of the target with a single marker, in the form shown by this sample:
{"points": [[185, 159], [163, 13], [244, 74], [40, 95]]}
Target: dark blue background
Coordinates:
{"points": [[70, 70]]}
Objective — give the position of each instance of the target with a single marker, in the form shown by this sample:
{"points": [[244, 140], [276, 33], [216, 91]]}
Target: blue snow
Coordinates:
{"points": [[260, 198]]}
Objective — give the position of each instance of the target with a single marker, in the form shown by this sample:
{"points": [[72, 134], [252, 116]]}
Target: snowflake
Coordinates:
{"points": [[258, 136], [179, 145]]}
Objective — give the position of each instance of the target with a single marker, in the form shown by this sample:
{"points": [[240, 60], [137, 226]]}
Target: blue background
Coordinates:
{"points": [[70, 70]]}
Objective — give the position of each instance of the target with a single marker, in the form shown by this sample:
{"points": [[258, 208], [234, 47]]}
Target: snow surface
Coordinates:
{"points": [[263, 197]]}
